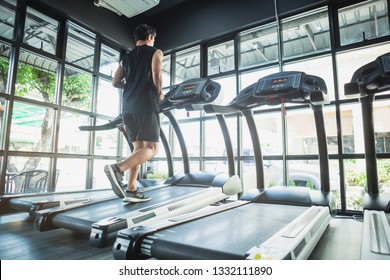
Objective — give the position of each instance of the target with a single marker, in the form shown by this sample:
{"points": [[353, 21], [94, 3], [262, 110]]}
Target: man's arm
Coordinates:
{"points": [[118, 80], [157, 72]]}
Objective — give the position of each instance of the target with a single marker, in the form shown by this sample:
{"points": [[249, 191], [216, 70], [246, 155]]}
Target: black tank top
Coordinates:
{"points": [[140, 94]]}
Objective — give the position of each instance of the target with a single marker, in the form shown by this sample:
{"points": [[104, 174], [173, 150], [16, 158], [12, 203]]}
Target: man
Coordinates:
{"points": [[139, 74]]}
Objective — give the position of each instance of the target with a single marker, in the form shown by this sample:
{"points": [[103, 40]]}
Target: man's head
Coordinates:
{"points": [[143, 31]]}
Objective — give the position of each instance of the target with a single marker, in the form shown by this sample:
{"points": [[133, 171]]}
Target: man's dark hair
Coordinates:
{"points": [[142, 31]]}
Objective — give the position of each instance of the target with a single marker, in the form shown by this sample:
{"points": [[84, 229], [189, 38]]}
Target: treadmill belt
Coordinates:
{"points": [[226, 235], [81, 219]]}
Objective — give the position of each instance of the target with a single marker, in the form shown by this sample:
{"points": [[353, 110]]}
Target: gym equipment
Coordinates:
{"points": [[369, 80], [274, 223]]}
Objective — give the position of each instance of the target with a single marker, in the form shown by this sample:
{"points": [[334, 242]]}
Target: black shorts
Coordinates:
{"points": [[143, 126]]}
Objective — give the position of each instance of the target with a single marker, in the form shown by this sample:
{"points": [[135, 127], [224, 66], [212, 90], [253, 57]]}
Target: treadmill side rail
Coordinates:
{"points": [[376, 236], [295, 241]]}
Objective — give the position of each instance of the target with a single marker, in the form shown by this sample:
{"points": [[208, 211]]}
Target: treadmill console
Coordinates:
{"points": [[195, 91], [371, 78], [294, 87]]}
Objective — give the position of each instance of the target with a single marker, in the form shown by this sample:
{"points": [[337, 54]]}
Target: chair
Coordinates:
{"points": [[33, 181]]}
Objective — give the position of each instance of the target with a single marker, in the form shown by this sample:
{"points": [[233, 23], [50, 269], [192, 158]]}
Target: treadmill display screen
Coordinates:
{"points": [[279, 81], [386, 64], [186, 91], [269, 85]]}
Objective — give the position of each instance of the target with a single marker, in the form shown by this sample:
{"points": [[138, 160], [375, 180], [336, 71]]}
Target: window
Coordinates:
{"points": [[109, 60], [220, 58], [77, 89], [69, 125], [36, 77], [228, 88], [363, 21], [381, 125], [214, 143], [355, 174], [269, 129], [19, 180], [80, 47], [40, 31], [187, 65], [5, 51], [7, 18], [258, 46], [72, 174], [306, 33], [166, 71], [301, 132], [99, 178], [32, 128], [108, 99], [352, 128], [3, 110], [106, 141], [191, 134]]}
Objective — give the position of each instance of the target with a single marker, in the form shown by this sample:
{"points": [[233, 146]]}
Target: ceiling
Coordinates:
{"points": [[162, 6]]}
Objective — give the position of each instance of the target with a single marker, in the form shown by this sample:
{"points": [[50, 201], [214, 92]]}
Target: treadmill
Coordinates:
{"points": [[273, 223], [171, 197], [32, 203], [189, 96], [369, 80]]}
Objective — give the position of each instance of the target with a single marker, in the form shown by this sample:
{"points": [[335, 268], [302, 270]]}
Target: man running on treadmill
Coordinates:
{"points": [[139, 74]]}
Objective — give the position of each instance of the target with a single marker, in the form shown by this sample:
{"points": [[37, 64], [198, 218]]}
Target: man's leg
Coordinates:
{"points": [[143, 151], [133, 176]]}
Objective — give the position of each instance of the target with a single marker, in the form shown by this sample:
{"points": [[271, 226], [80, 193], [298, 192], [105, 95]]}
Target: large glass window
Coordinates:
{"points": [[269, 129], [80, 47], [306, 33], [363, 21], [40, 31], [69, 125], [5, 50], [356, 177], [77, 89], [301, 133], [258, 46], [3, 110], [109, 60], [228, 88], [166, 71], [36, 77], [352, 128], [214, 144], [382, 126], [7, 18], [32, 128], [72, 174], [108, 99], [106, 141], [187, 65], [28, 175], [220, 58], [384, 175]]}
